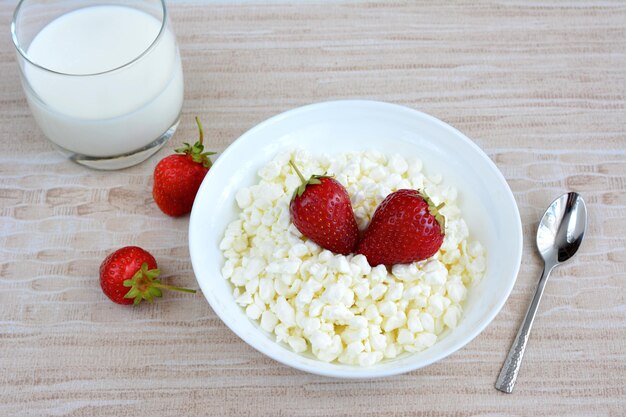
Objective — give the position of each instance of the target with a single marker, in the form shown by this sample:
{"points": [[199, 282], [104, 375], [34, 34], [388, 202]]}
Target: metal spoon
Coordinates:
{"points": [[559, 235]]}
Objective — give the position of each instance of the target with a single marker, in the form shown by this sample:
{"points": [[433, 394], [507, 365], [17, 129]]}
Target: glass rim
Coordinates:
{"points": [[24, 54]]}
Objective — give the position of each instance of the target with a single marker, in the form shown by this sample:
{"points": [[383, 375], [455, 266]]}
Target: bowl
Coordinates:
{"points": [[485, 199]]}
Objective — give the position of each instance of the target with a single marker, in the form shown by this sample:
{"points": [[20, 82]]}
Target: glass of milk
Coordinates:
{"points": [[103, 78]]}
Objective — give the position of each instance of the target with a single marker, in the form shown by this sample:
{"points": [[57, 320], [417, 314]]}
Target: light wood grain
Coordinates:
{"points": [[540, 86]]}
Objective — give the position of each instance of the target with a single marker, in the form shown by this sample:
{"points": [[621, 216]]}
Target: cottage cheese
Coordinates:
{"points": [[338, 307]]}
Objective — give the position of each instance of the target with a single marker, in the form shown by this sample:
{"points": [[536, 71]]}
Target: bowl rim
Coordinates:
{"points": [[363, 373]]}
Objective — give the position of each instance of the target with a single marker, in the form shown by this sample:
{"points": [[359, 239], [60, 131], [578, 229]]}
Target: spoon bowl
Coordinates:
{"points": [[560, 232], [562, 228]]}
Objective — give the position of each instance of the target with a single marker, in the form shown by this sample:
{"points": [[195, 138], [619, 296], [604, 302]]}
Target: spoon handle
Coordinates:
{"points": [[510, 368]]}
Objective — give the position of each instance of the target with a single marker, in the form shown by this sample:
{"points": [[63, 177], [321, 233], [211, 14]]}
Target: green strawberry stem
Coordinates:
{"points": [[171, 287], [314, 180], [144, 285], [297, 171], [196, 152], [201, 131]]}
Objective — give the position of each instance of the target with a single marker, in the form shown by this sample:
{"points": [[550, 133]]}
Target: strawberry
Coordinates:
{"points": [[129, 274], [321, 210], [178, 177], [406, 227]]}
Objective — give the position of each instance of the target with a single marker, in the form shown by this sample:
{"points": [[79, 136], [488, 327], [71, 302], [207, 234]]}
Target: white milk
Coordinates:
{"points": [[113, 113]]}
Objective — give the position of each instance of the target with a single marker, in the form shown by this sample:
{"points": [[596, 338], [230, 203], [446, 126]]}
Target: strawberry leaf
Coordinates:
{"points": [[145, 286], [313, 180], [435, 211], [196, 151]]}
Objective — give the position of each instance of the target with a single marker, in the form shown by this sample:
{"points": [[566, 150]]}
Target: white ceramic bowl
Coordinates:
{"points": [[485, 199]]}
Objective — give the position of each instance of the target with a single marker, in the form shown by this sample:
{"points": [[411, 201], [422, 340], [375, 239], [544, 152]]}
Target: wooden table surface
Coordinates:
{"points": [[540, 86]]}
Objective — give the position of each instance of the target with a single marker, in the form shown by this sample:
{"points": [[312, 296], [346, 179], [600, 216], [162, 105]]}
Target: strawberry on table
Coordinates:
{"points": [[130, 274], [406, 227], [178, 177], [321, 210]]}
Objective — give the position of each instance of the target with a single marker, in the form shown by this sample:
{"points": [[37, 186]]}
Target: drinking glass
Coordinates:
{"points": [[103, 79]]}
